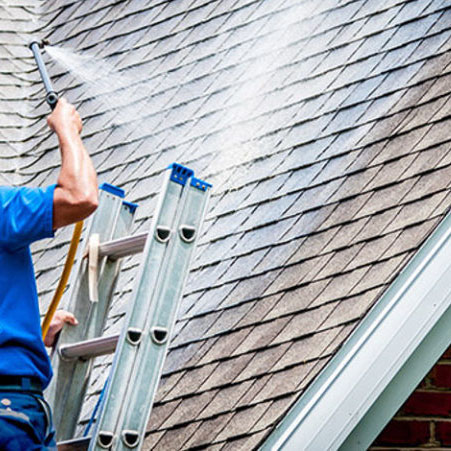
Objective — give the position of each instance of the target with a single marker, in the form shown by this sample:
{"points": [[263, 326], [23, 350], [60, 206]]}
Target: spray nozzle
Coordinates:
{"points": [[40, 43], [51, 96]]}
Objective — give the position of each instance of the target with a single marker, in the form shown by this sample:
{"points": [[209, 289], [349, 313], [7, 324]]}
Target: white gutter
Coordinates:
{"points": [[411, 310]]}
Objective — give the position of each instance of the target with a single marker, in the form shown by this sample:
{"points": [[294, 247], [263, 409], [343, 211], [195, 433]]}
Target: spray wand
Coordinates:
{"points": [[52, 96], [52, 99]]}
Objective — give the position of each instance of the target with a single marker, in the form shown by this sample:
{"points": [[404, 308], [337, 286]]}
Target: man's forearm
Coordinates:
{"points": [[77, 176], [76, 194]]}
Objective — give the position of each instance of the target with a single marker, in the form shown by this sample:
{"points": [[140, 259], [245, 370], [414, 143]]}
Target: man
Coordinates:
{"points": [[28, 215]]}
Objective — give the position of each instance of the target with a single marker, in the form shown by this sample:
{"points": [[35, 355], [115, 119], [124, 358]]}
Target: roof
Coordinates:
{"points": [[323, 127]]}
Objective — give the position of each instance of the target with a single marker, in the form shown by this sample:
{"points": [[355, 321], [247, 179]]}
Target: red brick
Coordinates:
{"points": [[443, 432], [447, 354], [440, 376], [428, 403], [404, 433]]}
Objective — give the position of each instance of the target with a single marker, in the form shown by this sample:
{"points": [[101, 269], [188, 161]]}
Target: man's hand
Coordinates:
{"points": [[61, 317], [65, 120]]}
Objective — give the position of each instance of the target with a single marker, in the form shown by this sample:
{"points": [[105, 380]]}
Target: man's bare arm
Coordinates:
{"points": [[76, 194]]}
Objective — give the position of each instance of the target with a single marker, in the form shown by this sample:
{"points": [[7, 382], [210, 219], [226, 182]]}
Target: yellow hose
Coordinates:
{"points": [[76, 235]]}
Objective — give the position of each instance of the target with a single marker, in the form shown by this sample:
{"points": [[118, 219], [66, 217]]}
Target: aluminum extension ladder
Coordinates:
{"points": [[143, 343]]}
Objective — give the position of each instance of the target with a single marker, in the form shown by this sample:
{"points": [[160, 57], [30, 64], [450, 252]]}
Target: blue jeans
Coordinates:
{"points": [[25, 422]]}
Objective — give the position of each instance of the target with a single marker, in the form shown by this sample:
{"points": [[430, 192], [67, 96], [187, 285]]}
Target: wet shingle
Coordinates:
{"points": [[190, 382], [188, 406], [414, 212], [296, 300], [305, 351], [249, 442], [242, 421], [160, 413], [262, 363], [301, 325], [227, 373], [352, 308], [227, 345], [259, 309], [175, 437], [225, 400], [261, 335]]}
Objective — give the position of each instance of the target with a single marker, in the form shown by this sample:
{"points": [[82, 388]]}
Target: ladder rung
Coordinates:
{"points": [[123, 247], [90, 348], [74, 444]]}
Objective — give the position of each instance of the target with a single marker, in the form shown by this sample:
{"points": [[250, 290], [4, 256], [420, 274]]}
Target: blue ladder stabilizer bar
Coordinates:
{"points": [[119, 192], [181, 174], [112, 189], [131, 205]]}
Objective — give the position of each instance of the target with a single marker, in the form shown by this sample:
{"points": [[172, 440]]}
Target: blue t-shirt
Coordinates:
{"points": [[26, 215]]}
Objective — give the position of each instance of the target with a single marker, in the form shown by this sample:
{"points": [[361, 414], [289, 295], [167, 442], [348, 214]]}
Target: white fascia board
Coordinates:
{"points": [[378, 349], [400, 387]]}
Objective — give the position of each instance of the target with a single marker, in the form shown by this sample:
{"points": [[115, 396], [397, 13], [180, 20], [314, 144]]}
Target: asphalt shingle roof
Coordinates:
{"points": [[324, 129]]}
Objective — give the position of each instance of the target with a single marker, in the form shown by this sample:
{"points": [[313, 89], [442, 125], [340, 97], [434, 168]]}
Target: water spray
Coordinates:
{"points": [[52, 96]]}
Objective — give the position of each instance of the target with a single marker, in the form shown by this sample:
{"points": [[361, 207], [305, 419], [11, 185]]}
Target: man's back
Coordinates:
{"points": [[25, 216]]}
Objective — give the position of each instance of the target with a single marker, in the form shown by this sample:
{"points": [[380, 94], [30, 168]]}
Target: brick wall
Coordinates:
{"points": [[424, 421]]}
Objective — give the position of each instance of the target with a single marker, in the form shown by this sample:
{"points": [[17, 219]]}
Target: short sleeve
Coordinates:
{"points": [[26, 215]]}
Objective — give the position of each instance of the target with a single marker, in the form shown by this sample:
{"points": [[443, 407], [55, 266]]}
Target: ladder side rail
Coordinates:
{"points": [[152, 258], [71, 377], [107, 203], [160, 321], [96, 318]]}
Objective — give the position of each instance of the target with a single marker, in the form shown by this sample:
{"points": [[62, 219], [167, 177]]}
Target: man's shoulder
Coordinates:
{"points": [[7, 191], [25, 197]]}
